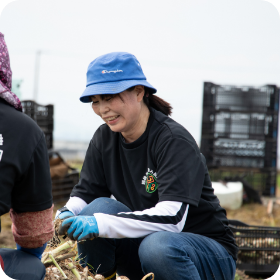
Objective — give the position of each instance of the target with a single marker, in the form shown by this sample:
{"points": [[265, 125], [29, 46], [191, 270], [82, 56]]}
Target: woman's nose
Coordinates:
{"points": [[104, 108]]}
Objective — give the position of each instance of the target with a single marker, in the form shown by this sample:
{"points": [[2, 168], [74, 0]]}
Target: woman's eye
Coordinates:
{"points": [[95, 102], [108, 99]]}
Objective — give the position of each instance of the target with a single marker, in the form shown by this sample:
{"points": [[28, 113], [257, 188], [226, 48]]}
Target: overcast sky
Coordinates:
{"points": [[180, 44]]}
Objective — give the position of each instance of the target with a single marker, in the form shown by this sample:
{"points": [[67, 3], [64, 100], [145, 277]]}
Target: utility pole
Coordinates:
{"points": [[36, 74]]}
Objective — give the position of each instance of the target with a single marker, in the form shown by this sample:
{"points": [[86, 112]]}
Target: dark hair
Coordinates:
{"points": [[103, 96], [155, 102]]}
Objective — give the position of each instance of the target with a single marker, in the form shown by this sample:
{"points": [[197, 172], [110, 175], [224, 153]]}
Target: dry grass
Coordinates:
{"points": [[256, 214], [240, 275]]}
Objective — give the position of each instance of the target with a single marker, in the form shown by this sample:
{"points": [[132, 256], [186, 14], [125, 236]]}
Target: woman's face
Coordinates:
{"points": [[120, 111]]}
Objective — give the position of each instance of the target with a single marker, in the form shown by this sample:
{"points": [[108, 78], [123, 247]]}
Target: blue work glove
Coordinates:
{"points": [[65, 214], [79, 228], [37, 252]]}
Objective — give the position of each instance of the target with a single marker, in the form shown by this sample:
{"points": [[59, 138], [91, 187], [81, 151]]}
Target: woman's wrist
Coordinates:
{"points": [[75, 205]]}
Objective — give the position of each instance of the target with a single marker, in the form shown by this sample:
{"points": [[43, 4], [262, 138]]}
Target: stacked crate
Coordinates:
{"points": [[62, 186], [259, 247], [239, 133], [43, 116]]}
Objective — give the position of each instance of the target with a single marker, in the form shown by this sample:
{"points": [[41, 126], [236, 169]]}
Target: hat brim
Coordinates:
{"points": [[112, 88]]}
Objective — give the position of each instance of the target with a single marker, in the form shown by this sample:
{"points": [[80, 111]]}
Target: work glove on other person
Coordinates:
{"points": [[63, 213], [79, 228], [37, 252]]}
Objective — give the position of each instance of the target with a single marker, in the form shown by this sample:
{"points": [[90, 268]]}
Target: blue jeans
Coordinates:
{"points": [[168, 255], [22, 266]]}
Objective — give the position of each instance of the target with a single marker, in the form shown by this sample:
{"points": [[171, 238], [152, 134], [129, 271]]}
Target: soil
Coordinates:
{"points": [[256, 214], [6, 239]]}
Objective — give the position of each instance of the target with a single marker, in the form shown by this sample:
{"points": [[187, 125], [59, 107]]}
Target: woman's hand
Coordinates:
{"points": [[64, 215], [79, 228]]}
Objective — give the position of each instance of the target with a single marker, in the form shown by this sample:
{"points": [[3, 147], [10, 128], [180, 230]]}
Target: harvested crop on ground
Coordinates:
{"points": [[62, 261]]}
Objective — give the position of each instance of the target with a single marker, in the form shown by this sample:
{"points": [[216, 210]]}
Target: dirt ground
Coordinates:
{"points": [[240, 275], [256, 214]]}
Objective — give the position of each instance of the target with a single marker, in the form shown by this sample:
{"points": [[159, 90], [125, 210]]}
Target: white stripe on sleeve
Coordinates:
{"points": [[165, 216], [76, 205]]}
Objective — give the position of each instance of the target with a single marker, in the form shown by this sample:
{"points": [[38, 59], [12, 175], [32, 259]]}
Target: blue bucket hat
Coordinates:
{"points": [[113, 73]]}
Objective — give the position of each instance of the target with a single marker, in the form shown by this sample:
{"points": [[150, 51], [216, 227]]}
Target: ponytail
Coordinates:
{"points": [[155, 102]]}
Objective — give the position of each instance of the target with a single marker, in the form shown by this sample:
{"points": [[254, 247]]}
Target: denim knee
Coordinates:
{"points": [[184, 256], [104, 205], [155, 248]]}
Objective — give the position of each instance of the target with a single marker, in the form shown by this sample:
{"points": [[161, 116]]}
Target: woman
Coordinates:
{"points": [[25, 182], [165, 218]]}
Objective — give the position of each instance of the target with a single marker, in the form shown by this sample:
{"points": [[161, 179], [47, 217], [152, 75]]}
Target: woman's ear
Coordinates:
{"points": [[140, 92]]}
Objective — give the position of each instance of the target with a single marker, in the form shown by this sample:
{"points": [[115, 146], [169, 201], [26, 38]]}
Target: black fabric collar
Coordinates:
{"points": [[142, 138], [3, 101]]}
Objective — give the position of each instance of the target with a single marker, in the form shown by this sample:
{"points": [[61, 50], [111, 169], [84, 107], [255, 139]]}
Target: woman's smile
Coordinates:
{"points": [[111, 120]]}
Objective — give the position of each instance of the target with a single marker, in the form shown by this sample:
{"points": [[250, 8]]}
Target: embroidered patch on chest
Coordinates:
{"points": [[150, 181]]}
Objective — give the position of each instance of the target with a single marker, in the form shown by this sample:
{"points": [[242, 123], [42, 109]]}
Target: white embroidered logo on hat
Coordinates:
{"points": [[111, 71], [1, 153], [1, 140]]}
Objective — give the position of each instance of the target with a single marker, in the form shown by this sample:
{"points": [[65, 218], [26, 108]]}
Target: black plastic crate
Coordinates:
{"points": [[259, 247], [45, 125], [261, 180], [61, 188], [239, 152], [49, 139], [37, 111], [62, 184], [241, 98], [240, 131], [42, 115], [240, 125]]}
